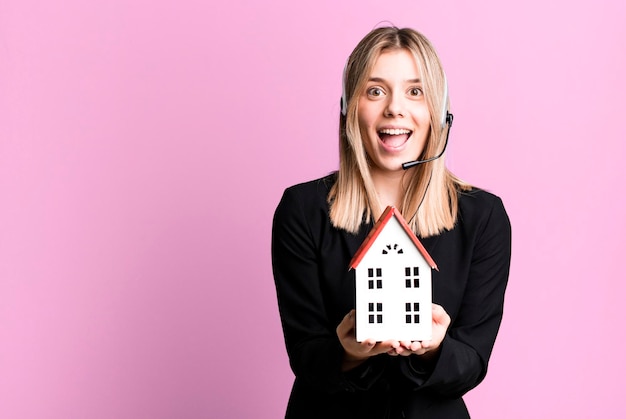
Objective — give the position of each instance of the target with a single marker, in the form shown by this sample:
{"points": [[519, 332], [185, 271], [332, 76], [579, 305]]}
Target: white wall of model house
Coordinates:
{"points": [[393, 288]]}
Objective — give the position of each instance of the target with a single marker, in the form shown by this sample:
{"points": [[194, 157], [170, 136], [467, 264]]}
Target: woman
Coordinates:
{"points": [[394, 111]]}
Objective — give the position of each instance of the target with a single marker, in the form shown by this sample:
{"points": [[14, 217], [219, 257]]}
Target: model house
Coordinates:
{"points": [[393, 283]]}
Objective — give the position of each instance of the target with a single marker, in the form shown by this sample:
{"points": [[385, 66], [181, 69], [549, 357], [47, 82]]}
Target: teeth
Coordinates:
{"points": [[394, 131]]}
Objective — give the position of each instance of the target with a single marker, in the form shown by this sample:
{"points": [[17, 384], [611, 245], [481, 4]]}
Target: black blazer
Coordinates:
{"points": [[316, 290]]}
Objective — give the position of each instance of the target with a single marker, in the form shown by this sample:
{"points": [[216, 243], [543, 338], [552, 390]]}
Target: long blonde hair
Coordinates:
{"points": [[430, 201]]}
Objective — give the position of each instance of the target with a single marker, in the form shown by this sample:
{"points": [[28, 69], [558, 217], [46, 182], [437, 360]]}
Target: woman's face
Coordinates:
{"points": [[393, 114]]}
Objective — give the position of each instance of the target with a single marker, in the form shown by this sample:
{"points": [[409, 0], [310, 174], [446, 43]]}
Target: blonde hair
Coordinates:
{"points": [[430, 201]]}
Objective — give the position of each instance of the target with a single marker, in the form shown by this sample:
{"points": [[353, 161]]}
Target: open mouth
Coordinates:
{"points": [[394, 137]]}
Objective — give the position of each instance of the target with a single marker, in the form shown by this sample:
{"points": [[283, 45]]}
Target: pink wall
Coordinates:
{"points": [[144, 146]]}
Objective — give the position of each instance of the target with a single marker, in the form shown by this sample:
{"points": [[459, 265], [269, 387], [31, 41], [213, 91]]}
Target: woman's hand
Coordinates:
{"points": [[428, 348], [355, 353]]}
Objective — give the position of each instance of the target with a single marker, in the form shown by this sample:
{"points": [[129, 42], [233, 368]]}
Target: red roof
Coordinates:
{"points": [[378, 227]]}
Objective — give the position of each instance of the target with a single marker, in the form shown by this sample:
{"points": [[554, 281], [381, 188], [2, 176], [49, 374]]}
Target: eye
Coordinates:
{"points": [[415, 91], [375, 91]]}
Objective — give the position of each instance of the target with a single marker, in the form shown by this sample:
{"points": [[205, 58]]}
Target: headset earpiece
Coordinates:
{"points": [[449, 118], [344, 100], [446, 117]]}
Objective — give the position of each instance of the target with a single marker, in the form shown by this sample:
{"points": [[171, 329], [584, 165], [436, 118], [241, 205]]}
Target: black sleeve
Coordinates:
{"points": [[315, 353], [465, 351]]}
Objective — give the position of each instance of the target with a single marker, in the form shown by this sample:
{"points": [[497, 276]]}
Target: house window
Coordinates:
{"points": [[375, 312], [375, 281], [392, 248], [412, 279], [412, 312]]}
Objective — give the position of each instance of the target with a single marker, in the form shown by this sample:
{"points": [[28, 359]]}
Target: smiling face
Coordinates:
{"points": [[393, 114]]}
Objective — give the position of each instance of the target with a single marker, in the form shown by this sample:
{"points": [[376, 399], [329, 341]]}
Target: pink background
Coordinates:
{"points": [[145, 144]]}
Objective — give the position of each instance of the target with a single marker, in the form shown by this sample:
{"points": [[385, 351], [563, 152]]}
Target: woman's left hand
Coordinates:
{"points": [[441, 322]]}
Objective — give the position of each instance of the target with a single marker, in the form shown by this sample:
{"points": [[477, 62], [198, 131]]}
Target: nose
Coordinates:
{"points": [[395, 105]]}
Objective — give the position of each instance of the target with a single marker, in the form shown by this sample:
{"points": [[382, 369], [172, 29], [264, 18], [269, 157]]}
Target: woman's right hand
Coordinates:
{"points": [[355, 353]]}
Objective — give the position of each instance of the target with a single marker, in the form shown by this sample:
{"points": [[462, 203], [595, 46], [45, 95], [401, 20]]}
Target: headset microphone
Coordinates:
{"points": [[408, 165], [446, 119]]}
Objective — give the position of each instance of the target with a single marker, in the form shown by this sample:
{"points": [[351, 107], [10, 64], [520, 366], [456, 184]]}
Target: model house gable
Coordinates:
{"points": [[390, 213], [393, 273]]}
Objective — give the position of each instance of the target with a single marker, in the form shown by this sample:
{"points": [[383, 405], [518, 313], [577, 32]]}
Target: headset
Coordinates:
{"points": [[446, 121], [446, 117]]}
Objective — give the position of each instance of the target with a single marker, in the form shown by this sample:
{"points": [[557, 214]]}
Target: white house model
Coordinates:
{"points": [[393, 283]]}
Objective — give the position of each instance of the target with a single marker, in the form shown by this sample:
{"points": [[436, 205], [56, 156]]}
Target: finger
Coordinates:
{"points": [[401, 350], [440, 315], [385, 347], [391, 343], [362, 349], [350, 318], [347, 324], [416, 346], [367, 345], [425, 345]]}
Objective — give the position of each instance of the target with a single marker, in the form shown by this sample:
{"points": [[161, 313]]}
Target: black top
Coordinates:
{"points": [[316, 290]]}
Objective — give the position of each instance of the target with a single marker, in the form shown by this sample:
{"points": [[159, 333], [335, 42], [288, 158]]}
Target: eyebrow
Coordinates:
{"points": [[381, 80]]}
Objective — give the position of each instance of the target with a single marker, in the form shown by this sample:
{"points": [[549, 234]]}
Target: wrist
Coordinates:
{"points": [[349, 361]]}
